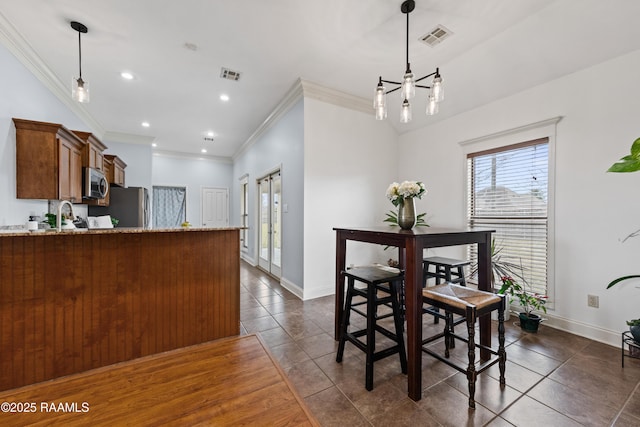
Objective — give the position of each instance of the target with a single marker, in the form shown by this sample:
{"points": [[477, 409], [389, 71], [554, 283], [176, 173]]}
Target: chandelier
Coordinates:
{"points": [[79, 87], [408, 85]]}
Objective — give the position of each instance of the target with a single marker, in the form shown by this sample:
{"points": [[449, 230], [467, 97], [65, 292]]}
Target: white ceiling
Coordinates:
{"points": [[498, 47]]}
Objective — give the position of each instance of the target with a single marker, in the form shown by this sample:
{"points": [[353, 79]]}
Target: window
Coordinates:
{"points": [[244, 211], [508, 191]]}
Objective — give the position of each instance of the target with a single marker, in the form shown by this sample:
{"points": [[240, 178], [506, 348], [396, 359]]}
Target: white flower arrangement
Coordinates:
{"points": [[406, 190]]}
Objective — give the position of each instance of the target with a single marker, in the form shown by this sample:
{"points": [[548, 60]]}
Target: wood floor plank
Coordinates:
{"points": [[233, 381]]}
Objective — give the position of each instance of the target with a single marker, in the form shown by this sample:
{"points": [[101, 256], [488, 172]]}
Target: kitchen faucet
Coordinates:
{"points": [[61, 203]]}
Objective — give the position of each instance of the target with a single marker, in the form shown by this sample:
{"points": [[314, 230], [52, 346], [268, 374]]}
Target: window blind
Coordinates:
{"points": [[508, 192]]}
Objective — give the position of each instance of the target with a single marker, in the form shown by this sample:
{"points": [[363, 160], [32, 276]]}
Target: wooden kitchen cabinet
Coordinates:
{"points": [[92, 156], [116, 174], [48, 161]]}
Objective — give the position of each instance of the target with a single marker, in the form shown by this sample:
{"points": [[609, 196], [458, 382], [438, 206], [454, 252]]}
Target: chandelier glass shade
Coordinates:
{"points": [[79, 87], [408, 84]]}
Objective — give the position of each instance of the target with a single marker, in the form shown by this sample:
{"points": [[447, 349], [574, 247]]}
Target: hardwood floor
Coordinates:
{"points": [[233, 381]]}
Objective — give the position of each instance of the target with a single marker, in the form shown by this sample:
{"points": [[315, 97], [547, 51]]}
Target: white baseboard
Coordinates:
{"points": [[245, 256], [292, 287], [596, 333], [592, 332], [321, 292]]}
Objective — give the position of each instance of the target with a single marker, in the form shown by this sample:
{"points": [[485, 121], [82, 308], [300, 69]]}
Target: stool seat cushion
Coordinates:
{"points": [[460, 296]]}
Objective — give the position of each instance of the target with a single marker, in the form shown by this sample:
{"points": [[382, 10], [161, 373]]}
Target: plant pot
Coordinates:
{"points": [[635, 331], [530, 322]]}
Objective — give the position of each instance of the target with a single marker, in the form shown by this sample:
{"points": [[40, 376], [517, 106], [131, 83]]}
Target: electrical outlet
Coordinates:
{"points": [[593, 301]]}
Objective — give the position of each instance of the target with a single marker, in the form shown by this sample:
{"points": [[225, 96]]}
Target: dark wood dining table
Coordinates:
{"points": [[411, 244]]}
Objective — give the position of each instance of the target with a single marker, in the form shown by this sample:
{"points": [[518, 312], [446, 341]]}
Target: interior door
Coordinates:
{"points": [[215, 207], [270, 247]]}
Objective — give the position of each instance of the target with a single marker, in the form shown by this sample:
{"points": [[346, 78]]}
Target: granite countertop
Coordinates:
{"points": [[7, 232]]}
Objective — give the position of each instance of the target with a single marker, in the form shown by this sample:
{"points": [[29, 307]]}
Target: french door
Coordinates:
{"points": [[270, 246]]}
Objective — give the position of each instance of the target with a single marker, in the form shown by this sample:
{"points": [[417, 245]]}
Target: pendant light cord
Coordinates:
{"points": [[80, 55], [408, 66]]}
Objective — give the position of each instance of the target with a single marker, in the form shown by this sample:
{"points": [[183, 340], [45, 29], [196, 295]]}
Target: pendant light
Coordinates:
{"points": [[409, 84], [79, 87]]}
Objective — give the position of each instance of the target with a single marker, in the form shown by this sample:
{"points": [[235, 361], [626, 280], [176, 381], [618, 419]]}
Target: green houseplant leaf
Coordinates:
{"points": [[620, 279], [630, 163]]}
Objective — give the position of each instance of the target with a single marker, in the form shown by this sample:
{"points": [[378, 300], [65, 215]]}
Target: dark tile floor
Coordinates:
{"points": [[553, 378]]}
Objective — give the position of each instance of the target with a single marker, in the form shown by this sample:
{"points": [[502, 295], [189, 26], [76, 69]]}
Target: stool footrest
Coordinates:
{"points": [[480, 368]]}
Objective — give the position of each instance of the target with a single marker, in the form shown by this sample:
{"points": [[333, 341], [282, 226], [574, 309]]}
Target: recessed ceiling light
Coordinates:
{"points": [[224, 97], [126, 75], [203, 150], [154, 144], [210, 134], [145, 124]]}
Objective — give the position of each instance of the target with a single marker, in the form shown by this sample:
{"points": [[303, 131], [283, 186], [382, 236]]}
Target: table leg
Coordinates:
{"points": [[413, 301], [341, 252], [484, 284]]}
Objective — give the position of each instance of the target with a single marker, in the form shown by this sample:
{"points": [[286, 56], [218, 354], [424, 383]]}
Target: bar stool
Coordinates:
{"points": [[449, 270], [388, 284], [471, 304]]}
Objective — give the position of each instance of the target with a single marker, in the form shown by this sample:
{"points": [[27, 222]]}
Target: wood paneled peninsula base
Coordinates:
{"points": [[74, 301]]}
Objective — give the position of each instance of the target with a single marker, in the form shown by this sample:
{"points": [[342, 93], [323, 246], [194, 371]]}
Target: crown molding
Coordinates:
{"points": [[181, 155], [304, 89], [335, 97], [286, 103], [22, 50]]}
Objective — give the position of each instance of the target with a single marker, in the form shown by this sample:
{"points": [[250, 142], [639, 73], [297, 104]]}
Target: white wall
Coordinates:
{"points": [[593, 209], [281, 146], [138, 159], [349, 161], [194, 174], [24, 96]]}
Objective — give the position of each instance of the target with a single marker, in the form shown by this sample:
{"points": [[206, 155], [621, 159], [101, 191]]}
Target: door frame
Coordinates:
{"points": [[268, 173]]}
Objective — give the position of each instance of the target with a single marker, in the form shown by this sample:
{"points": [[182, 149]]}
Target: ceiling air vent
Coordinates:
{"points": [[209, 139], [436, 35], [228, 74]]}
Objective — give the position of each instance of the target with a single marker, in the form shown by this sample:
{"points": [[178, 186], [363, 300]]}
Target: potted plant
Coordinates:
{"points": [[634, 328], [629, 163], [529, 301]]}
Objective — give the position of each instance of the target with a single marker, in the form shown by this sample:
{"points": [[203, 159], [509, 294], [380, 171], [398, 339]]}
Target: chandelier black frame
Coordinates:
{"points": [[408, 84]]}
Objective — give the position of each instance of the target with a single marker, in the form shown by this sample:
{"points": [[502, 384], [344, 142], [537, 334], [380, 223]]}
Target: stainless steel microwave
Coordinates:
{"points": [[94, 184]]}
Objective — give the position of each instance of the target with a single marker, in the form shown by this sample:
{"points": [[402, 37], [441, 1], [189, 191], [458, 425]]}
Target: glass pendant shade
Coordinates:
{"points": [[381, 112], [80, 90], [405, 112], [437, 92], [408, 86], [380, 97], [432, 106]]}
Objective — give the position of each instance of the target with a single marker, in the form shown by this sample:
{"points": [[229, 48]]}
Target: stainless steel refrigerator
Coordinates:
{"points": [[130, 206]]}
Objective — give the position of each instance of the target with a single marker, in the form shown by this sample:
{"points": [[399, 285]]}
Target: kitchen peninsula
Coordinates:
{"points": [[74, 301]]}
